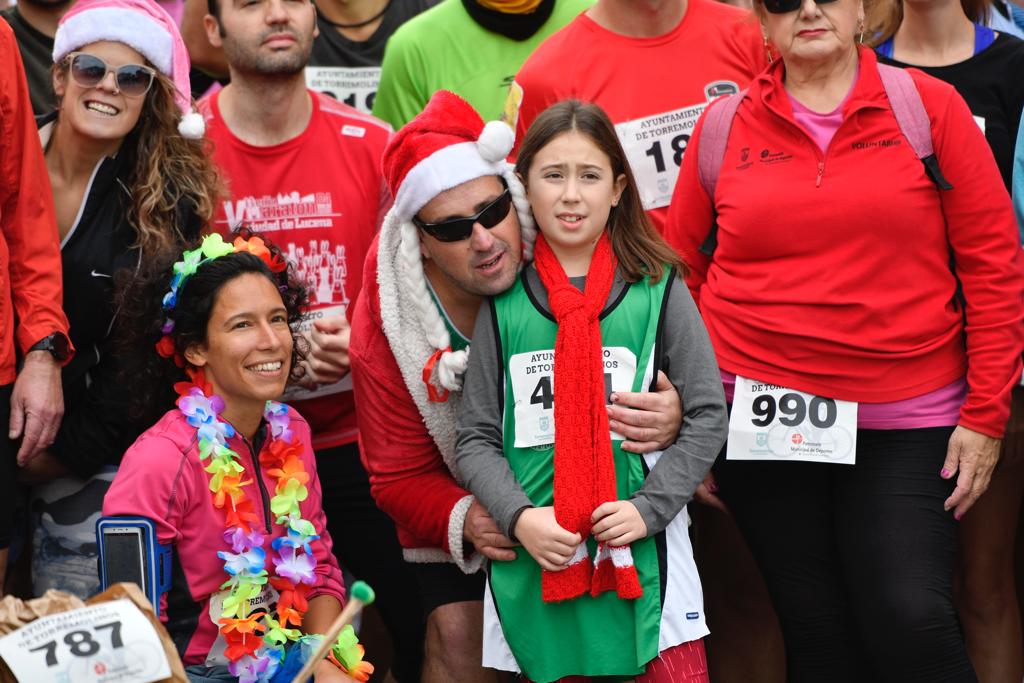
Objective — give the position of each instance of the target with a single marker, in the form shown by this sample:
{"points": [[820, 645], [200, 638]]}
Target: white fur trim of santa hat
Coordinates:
{"points": [[134, 29], [444, 169], [143, 26]]}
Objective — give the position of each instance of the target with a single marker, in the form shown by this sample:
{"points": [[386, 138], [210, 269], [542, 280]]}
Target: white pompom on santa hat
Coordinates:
{"points": [[446, 145], [143, 26]]}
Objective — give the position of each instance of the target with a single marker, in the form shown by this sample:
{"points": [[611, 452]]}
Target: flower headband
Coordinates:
{"points": [[211, 248]]}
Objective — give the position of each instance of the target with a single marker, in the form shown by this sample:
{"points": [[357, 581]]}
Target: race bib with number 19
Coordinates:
{"points": [[355, 86], [769, 422]]}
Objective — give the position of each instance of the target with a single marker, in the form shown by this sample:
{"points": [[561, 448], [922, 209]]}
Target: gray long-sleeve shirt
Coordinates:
{"points": [[689, 363]]}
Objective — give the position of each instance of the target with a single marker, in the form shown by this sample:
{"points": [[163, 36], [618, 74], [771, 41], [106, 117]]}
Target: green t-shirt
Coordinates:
{"points": [[445, 49], [457, 340]]}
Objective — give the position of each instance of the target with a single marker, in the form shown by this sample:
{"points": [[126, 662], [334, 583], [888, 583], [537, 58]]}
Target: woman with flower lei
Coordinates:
{"points": [[229, 476]]}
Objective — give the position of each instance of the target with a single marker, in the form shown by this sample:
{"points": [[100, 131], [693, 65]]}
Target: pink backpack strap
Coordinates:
{"points": [[713, 138], [714, 135], [912, 118], [908, 108]]}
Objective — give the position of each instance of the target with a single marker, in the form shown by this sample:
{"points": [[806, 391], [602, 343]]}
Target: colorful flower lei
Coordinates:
{"points": [[256, 642], [212, 247]]}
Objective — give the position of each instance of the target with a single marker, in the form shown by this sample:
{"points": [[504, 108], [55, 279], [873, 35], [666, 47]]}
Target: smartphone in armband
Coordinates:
{"points": [[129, 551]]}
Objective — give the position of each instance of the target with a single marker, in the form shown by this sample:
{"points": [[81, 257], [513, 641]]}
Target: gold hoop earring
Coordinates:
{"points": [[767, 50], [861, 39]]}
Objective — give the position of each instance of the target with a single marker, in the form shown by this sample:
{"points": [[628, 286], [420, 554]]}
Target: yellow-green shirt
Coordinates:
{"points": [[445, 49]]}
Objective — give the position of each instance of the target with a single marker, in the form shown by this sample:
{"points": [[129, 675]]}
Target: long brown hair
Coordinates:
{"points": [[167, 173], [640, 249], [883, 17]]}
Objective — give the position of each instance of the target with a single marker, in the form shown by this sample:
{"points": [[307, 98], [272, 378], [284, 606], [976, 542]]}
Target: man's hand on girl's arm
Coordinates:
{"points": [[481, 530], [649, 420]]}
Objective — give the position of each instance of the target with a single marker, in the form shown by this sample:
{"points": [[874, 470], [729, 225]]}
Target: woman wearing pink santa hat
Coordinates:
{"points": [[132, 183]]}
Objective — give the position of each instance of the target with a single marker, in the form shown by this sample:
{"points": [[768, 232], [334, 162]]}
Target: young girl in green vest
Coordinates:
{"points": [[604, 586]]}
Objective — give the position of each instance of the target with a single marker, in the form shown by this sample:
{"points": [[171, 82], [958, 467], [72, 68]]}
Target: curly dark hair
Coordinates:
{"points": [[147, 375]]}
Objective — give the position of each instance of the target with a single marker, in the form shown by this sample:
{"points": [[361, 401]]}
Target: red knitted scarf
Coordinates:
{"points": [[584, 466]]}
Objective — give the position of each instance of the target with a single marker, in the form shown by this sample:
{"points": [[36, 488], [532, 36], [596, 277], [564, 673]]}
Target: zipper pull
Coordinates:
{"points": [[821, 171]]}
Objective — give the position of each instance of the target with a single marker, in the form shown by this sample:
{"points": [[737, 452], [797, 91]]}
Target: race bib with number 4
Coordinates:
{"points": [[111, 642], [769, 422], [533, 386]]}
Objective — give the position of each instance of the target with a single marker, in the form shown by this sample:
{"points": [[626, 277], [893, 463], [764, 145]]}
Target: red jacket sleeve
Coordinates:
{"points": [[409, 479], [691, 215], [986, 254], [27, 220]]}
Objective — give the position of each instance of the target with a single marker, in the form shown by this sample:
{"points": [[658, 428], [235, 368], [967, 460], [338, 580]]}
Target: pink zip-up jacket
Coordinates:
{"points": [[161, 478]]}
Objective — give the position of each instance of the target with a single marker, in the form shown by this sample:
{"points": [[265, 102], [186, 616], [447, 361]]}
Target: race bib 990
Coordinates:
{"points": [[533, 385], [769, 422]]}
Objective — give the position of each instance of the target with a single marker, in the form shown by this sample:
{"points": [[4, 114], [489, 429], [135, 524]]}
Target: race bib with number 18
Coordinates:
{"points": [[769, 422], [655, 145]]}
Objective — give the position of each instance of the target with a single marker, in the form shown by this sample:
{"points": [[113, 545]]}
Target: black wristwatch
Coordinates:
{"points": [[57, 344]]}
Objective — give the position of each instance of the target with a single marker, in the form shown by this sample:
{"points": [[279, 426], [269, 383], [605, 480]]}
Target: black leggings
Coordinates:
{"points": [[366, 543], [8, 471], [858, 559]]}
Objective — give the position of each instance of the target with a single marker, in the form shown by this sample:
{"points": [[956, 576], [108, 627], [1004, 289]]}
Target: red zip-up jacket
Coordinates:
{"points": [[409, 479], [30, 274], [833, 274]]}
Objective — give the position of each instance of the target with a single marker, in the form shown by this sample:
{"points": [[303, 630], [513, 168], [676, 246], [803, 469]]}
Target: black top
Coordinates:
{"points": [[36, 50], [349, 70], [95, 429], [515, 26], [333, 49], [992, 84]]}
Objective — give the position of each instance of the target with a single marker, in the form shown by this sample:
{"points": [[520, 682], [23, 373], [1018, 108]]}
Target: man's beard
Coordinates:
{"points": [[283, 64], [279, 65]]}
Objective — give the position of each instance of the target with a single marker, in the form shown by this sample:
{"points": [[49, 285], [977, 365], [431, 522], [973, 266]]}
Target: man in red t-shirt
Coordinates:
{"points": [[653, 67], [304, 170]]}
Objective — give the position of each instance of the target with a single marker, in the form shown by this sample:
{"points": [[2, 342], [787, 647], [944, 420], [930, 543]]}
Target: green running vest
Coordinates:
{"points": [[603, 636]]}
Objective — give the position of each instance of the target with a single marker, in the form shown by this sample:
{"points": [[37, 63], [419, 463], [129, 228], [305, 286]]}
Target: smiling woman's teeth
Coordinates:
{"points": [[266, 367], [101, 108]]}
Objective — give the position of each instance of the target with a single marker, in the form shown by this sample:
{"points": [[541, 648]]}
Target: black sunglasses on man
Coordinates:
{"points": [[455, 229]]}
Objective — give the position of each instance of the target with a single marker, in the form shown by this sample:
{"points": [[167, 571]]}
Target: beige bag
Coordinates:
{"points": [[16, 613]]}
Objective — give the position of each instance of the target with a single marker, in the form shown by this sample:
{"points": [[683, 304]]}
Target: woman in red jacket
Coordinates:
{"points": [[868, 328]]}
